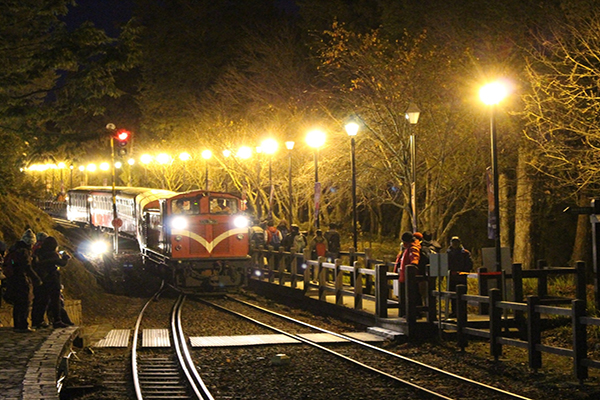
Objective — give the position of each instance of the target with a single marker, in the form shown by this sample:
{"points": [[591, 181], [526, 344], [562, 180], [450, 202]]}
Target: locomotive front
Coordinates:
{"points": [[207, 238]]}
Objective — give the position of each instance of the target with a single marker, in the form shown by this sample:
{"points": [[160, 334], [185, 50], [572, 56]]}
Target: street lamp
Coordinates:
{"points": [[412, 115], [492, 94], [290, 146], [352, 130], [270, 146], [206, 154], [316, 139]]}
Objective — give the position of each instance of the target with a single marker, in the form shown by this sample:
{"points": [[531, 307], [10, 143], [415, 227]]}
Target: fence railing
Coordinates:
{"points": [[533, 309]]}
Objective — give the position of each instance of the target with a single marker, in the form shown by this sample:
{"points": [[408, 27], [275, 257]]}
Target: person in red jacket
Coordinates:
{"points": [[410, 254]]}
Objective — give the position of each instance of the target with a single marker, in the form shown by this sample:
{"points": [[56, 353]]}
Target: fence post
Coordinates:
{"points": [[322, 279], [339, 283], [412, 292], [542, 280], [517, 278], [579, 340], [482, 283], [280, 259], [271, 263], [293, 269], [495, 323], [358, 286], [534, 333], [307, 270], [461, 317], [580, 288], [381, 290], [368, 280]]}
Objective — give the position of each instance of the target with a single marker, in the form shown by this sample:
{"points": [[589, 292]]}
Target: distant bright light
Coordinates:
{"points": [[146, 159], [91, 167], [244, 153], [105, 166], [163, 158], [315, 138], [269, 146], [184, 156], [240, 222], [289, 145], [206, 154], [257, 272], [81, 168], [131, 161], [226, 153], [61, 165], [179, 223], [493, 93], [118, 164]]}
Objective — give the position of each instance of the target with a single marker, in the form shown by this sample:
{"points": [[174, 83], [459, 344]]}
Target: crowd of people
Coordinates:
{"points": [[31, 281]]}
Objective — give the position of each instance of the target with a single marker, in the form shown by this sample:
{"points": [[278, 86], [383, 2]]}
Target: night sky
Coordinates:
{"points": [[105, 14]]}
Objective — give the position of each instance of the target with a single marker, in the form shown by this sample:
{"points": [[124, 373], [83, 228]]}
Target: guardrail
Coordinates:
{"points": [[532, 341]]}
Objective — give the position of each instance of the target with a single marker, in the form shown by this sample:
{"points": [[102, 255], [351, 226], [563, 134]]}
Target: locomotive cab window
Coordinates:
{"points": [[186, 206], [223, 206]]}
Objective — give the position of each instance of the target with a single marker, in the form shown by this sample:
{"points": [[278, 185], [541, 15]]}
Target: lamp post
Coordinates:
{"points": [[269, 146], [492, 94], [316, 139], [290, 146], [206, 154], [412, 115], [185, 156], [226, 155], [352, 130]]}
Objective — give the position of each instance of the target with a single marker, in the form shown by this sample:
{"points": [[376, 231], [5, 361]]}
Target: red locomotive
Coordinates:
{"points": [[199, 238]]}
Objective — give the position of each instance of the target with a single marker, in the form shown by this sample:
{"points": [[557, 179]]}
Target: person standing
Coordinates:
{"points": [[333, 241], [282, 227], [20, 280], [318, 245], [409, 255], [48, 265], [459, 263], [273, 235]]}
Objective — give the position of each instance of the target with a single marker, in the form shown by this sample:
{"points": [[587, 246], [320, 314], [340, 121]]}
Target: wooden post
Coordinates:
{"points": [[580, 289], [534, 333], [322, 279], [461, 317], [358, 287], [339, 283], [517, 278], [293, 269], [495, 323], [271, 263], [307, 270], [431, 299], [579, 340], [280, 259], [482, 286], [542, 280], [381, 290]]}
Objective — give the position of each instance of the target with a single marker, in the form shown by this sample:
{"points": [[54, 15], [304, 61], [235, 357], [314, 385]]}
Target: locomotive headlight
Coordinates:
{"points": [[99, 247], [179, 223], [240, 222]]}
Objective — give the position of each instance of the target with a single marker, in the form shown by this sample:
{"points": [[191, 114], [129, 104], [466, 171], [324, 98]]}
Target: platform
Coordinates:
{"points": [[31, 362]]}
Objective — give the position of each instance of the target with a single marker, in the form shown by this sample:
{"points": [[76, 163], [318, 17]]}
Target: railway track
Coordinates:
{"points": [[420, 379], [166, 373]]}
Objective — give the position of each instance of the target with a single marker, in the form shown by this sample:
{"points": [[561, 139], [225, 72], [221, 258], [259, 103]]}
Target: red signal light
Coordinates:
{"points": [[123, 135]]}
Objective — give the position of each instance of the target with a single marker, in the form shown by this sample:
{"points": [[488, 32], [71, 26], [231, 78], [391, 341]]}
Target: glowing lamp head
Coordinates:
{"points": [[493, 93], [123, 135], [315, 138]]}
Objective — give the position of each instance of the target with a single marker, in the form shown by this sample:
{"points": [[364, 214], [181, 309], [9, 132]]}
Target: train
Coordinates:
{"points": [[198, 240]]}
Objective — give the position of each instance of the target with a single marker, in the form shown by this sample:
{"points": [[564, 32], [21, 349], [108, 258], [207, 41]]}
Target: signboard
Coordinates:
{"points": [[488, 256], [438, 264]]}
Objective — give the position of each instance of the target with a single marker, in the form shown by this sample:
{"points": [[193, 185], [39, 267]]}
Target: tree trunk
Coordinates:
{"points": [[581, 247], [522, 251]]}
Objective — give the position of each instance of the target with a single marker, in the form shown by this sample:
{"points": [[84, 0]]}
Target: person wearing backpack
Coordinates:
{"points": [[20, 280], [273, 236], [318, 245]]}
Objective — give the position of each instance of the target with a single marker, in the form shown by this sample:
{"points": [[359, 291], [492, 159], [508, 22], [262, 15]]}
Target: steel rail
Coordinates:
{"points": [[395, 355], [134, 364], [183, 353], [339, 355]]}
